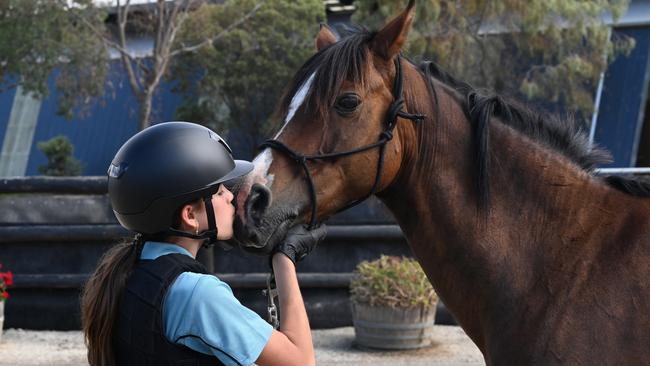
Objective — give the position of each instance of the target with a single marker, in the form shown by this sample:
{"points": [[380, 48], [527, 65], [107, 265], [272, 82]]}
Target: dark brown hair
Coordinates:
{"points": [[100, 299], [101, 293]]}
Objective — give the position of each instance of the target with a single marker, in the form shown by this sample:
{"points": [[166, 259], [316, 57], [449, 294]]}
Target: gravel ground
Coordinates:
{"points": [[334, 347], [31, 348]]}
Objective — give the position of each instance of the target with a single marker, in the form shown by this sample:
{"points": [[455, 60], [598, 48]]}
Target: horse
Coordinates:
{"points": [[540, 260]]}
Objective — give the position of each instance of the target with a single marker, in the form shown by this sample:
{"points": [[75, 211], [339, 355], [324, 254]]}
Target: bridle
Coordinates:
{"points": [[394, 111]]}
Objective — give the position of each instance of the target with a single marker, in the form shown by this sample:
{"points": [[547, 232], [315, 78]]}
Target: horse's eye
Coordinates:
{"points": [[347, 103]]}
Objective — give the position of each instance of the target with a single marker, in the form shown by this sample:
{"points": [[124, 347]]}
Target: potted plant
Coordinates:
{"points": [[393, 304], [6, 280]]}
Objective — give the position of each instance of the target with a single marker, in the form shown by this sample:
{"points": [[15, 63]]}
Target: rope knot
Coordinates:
{"points": [[412, 117], [394, 110], [386, 135]]}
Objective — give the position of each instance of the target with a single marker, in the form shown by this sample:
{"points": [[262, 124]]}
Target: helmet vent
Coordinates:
{"points": [[217, 138], [117, 171], [226, 146]]}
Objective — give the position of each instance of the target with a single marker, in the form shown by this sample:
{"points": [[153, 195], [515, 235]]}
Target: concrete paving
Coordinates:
{"points": [[451, 347], [334, 347]]}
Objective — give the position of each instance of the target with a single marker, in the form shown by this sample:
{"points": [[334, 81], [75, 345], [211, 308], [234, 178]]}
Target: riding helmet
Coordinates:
{"points": [[165, 166]]}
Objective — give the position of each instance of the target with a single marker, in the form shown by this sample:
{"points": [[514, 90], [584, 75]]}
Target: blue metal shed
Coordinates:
{"points": [[620, 117], [618, 123], [97, 136]]}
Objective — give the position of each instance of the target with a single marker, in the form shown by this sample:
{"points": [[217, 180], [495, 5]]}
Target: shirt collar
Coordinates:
{"points": [[153, 250]]}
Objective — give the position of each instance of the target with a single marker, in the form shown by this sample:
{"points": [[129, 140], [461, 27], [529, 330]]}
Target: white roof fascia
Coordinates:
{"points": [[138, 47], [638, 14]]}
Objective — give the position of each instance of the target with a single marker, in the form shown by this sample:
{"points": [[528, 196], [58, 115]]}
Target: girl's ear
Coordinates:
{"points": [[189, 215]]}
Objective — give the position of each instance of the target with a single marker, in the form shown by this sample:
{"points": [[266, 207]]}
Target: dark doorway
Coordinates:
{"points": [[643, 152]]}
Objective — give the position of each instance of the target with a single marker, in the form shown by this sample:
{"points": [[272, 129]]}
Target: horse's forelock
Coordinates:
{"points": [[330, 67]]}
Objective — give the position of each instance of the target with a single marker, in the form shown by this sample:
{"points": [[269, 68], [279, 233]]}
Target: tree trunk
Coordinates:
{"points": [[145, 111]]}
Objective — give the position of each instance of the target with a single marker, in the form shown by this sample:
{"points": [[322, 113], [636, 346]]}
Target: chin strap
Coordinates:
{"points": [[209, 236], [212, 231]]}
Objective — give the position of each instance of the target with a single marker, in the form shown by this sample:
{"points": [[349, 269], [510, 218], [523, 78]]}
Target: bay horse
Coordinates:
{"points": [[539, 260]]}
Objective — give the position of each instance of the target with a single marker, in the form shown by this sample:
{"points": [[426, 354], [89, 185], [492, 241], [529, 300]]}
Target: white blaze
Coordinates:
{"points": [[296, 102], [262, 162]]}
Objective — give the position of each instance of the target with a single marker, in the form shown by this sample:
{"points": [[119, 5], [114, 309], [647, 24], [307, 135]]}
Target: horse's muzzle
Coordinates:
{"points": [[258, 201]]}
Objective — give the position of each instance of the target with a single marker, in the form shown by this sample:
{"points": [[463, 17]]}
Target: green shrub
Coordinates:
{"points": [[60, 161], [392, 281]]}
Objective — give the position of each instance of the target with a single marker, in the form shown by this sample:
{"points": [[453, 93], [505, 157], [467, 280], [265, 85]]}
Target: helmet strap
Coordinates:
{"points": [[175, 232], [212, 227], [209, 236], [212, 231]]}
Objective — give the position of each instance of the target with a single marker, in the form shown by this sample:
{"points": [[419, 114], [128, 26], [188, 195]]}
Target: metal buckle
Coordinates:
{"points": [[271, 292]]}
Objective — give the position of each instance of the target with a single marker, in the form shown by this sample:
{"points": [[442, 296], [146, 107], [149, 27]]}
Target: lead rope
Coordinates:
{"points": [[271, 293], [394, 110]]}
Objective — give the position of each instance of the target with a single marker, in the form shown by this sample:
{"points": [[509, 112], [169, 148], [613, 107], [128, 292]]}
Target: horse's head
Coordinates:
{"points": [[338, 143]]}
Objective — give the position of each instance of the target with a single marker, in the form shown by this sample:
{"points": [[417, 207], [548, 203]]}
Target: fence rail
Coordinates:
{"points": [[74, 233], [54, 230], [234, 280]]}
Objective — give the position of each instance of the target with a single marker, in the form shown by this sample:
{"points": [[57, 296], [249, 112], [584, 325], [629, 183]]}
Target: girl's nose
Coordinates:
{"points": [[230, 196]]}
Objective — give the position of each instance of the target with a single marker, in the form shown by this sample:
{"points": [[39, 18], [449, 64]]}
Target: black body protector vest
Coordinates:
{"points": [[139, 337]]}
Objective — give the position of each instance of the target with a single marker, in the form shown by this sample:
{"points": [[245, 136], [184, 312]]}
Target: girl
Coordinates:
{"points": [[150, 302]]}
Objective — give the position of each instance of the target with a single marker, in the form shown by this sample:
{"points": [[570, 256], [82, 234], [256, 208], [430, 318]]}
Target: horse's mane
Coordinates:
{"points": [[346, 60], [563, 135]]}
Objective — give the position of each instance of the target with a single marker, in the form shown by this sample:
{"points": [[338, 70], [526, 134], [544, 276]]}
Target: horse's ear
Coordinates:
{"points": [[389, 40], [325, 37]]}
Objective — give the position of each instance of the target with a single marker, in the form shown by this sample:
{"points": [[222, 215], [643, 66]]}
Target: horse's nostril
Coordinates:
{"points": [[258, 201]]}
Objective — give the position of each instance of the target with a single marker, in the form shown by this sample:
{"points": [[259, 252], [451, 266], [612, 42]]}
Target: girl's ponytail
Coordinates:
{"points": [[100, 299]]}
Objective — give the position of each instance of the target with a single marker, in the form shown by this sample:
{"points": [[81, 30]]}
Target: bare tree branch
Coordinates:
{"points": [[167, 35], [145, 77], [122, 15], [106, 40], [126, 56], [209, 41], [160, 27]]}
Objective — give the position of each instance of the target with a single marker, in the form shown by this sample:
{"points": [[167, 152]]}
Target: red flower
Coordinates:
{"points": [[5, 295], [9, 278]]}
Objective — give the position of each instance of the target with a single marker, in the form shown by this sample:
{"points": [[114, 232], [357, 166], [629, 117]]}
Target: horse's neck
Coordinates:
{"points": [[489, 270]]}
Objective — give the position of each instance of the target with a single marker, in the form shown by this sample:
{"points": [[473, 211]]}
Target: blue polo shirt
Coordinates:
{"points": [[201, 312]]}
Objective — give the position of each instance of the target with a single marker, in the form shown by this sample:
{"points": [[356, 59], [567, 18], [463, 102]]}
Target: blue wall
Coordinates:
{"points": [[114, 119], [105, 127], [6, 102], [622, 107]]}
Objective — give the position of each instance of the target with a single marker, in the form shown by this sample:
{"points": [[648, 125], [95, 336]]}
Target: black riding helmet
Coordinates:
{"points": [[164, 167]]}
